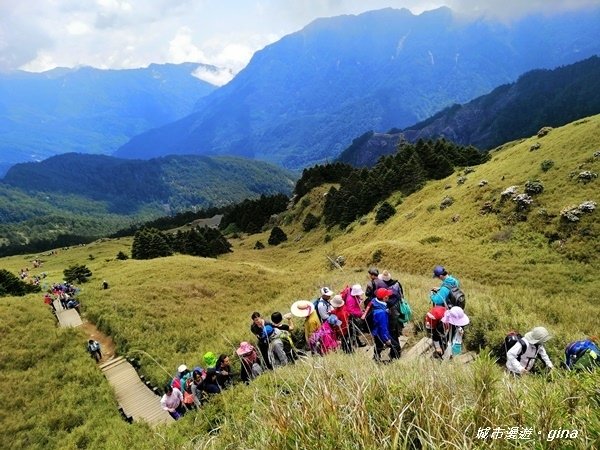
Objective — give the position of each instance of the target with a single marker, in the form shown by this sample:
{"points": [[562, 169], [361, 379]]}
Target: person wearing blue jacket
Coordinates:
{"points": [[381, 331], [439, 296]]}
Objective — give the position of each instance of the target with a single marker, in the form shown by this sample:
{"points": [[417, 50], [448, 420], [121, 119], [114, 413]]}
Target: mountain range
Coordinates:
{"points": [[512, 111], [89, 110], [302, 99]]}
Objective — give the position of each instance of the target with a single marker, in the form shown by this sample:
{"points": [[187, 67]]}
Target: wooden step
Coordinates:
{"points": [[111, 362]]}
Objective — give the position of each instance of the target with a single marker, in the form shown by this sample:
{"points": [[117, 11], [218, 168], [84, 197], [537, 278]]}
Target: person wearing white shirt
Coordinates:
{"points": [[521, 357], [172, 402]]}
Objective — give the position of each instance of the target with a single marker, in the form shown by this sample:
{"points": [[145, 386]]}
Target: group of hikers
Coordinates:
{"points": [[66, 295], [343, 321]]}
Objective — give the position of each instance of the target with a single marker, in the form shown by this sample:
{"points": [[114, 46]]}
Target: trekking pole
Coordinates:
{"points": [[134, 350]]}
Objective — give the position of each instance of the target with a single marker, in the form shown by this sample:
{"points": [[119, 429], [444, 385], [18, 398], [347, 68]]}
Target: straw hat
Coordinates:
{"points": [[182, 368], [385, 276], [302, 308]]}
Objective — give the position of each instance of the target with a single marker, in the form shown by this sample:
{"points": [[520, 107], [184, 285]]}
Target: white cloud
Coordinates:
{"points": [[77, 28], [135, 33]]}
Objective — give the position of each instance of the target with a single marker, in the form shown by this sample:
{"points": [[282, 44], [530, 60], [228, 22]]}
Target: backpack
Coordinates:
{"points": [[405, 311], [582, 355], [456, 297], [316, 306], [510, 340]]}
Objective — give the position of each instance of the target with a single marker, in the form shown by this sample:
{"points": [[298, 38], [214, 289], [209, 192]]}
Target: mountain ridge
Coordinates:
{"points": [[302, 99]]}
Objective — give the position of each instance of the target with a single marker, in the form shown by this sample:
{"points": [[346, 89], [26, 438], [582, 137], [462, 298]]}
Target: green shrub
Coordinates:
{"points": [[277, 236], [259, 245], [546, 165], [310, 222], [10, 284], [122, 256], [384, 212]]}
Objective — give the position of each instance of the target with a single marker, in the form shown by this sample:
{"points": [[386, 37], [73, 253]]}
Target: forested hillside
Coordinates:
{"points": [[537, 99], [76, 195]]}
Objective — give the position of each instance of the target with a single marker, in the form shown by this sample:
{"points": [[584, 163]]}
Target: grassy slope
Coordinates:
{"points": [[180, 307]]}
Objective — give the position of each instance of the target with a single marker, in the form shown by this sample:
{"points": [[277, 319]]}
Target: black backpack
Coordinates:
{"points": [[509, 342], [456, 296]]}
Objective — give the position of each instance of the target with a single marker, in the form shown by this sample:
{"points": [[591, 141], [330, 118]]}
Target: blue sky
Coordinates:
{"points": [[38, 35]]}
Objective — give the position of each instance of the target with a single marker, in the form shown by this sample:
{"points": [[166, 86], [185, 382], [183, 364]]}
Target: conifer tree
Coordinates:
{"points": [[277, 236]]}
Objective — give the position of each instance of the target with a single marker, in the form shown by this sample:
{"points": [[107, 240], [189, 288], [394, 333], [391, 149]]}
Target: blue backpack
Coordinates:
{"points": [[582, 354]]}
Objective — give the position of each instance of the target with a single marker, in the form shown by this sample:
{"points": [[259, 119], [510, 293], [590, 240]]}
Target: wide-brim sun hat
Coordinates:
{"points": [[456, 316], [337, 301], [302, 308], [182, 368], [357, 290], [244, 349], [538, 335]]}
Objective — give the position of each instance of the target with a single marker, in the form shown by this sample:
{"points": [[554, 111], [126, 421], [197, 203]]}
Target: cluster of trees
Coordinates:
{"points": [[10, 284], [169, 222], [320, 174], [77, 273], [250, 216], [407, 170], [151, 243]]}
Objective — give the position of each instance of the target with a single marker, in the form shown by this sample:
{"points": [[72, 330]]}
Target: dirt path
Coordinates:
{"points": [[107, 345]]}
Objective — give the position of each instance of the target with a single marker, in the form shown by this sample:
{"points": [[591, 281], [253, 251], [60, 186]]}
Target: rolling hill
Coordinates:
{"points": [[520, 266], [304, 98]]}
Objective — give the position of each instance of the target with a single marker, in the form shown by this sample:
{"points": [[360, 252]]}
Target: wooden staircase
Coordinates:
{"points": [[134, 397], [67, 318]]}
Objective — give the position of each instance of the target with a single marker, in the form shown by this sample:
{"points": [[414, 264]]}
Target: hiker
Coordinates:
{"points": [[324, 308], [250, 367], [277, 355], [372, 286], [211, 385], [521, 357], [454, 321], [381, 333], [74, 304], [183, 374], [306, 309], [257, 329], [224, 372], [352, 304], [393, 304], [93, 348], [288, 344], [189, 400], [196, 387], [339, 310], [210, 360], [439, 296], [435, 326], [104, 284], [172, 402], [50, 302], [582, 355], [324, 339]]}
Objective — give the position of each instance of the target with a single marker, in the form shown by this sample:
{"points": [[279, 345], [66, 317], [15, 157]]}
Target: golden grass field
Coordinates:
{"points": [[180, 307]]}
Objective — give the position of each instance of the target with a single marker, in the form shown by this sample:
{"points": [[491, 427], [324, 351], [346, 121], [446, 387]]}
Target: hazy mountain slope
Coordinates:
{"points": [[90, 110], [538, 98], [95, 195], [302, 99]]}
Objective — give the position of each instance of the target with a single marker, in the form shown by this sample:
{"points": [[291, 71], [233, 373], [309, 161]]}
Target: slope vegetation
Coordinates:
{"points": [[519, 268]]}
